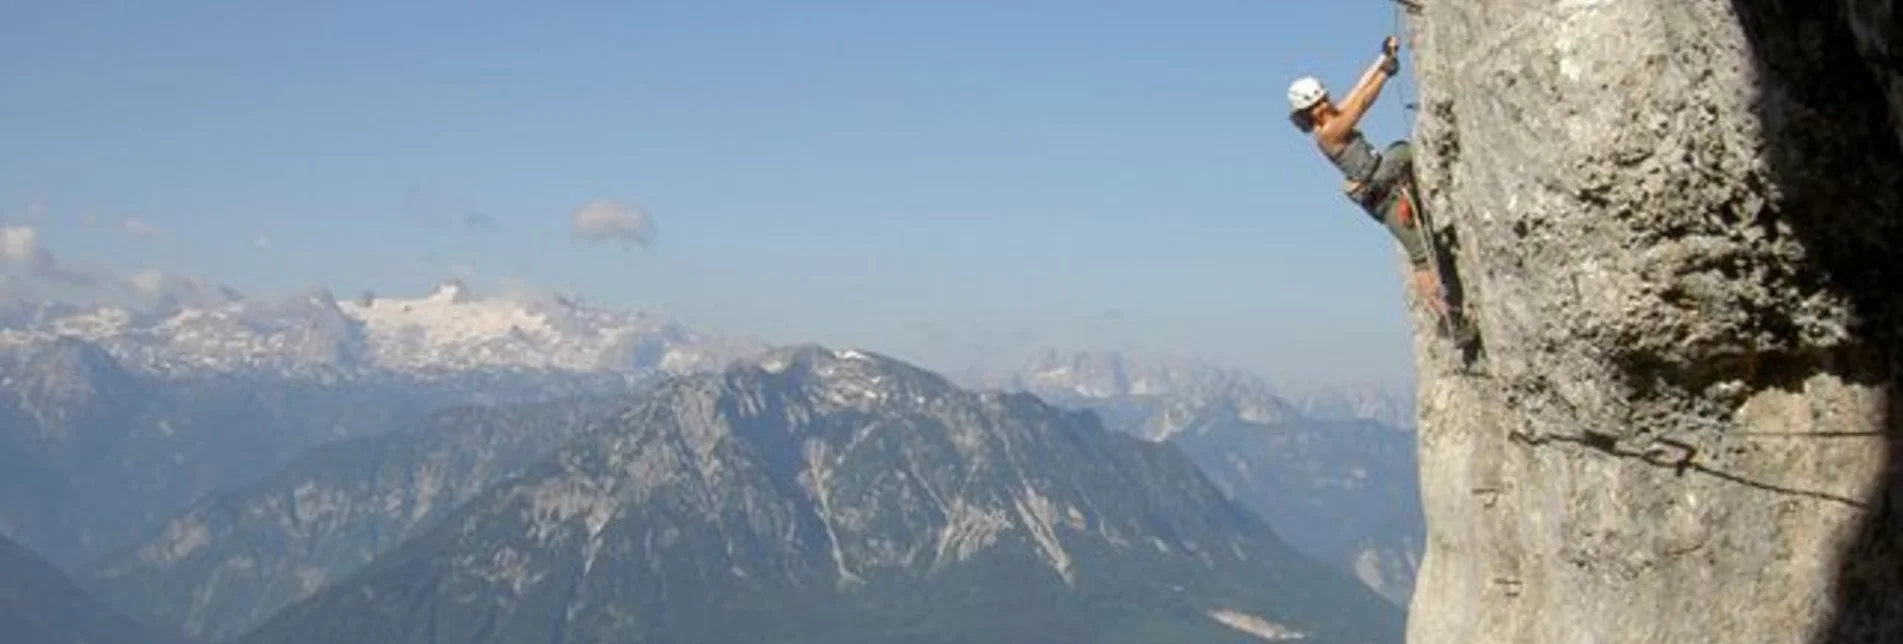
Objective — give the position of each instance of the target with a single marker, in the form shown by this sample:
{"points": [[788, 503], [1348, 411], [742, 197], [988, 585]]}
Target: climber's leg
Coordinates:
{"points": [[1396, 168], [1397, 214]]}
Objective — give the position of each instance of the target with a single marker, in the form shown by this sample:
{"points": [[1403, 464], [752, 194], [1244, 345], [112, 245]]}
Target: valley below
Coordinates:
{"points": [[680, 487]]}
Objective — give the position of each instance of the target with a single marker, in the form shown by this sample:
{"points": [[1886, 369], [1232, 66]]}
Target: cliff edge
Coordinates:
{"points": [[1677, 225]]}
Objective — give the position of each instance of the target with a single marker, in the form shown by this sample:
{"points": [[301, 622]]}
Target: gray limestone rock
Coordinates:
{"points": [[1674, 222]]}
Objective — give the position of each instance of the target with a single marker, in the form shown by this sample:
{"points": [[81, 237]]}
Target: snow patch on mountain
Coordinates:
{"points": [[1262, 629], [448, 330], [1038, 515]]}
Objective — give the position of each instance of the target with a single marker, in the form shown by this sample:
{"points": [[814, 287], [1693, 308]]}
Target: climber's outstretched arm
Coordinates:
{"points": [[1356, 103]]}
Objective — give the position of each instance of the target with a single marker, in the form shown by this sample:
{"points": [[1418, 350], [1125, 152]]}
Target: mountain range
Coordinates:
{"points": [[449, 330], [92, 454], [202, 468], [1157, 396], [1332, 469], [840, 496], [113, 420]]}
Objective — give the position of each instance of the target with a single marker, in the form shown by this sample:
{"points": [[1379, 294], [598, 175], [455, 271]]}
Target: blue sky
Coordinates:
{"points": [[942, 181]]}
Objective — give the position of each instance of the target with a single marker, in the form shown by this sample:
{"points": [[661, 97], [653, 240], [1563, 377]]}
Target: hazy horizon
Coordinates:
{"points": [[951, 185]]}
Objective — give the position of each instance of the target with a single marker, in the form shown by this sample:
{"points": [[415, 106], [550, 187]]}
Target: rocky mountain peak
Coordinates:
{"points": [[846, 375], [840, 495]]}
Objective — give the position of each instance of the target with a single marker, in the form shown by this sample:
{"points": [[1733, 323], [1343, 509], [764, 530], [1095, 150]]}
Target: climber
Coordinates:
{"points": [[1374, 180]]}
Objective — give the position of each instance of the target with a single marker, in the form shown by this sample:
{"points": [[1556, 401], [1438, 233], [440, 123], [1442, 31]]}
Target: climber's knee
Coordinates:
{"points": [[1407, 230]]}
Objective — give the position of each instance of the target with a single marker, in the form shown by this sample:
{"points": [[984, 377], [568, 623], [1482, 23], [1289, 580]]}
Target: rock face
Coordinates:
{"points": [[1676, 223]]}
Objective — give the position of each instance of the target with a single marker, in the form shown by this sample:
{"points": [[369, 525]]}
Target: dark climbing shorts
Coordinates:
{"points": [[1384, 201]]}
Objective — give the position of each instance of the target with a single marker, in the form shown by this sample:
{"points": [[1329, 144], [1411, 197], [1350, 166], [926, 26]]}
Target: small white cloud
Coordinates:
{"points": [[261, 242], [20, 245], [605, 220], [137, 227]]}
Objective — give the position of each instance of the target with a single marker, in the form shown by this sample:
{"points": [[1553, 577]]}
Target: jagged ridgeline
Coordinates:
{"points": [[821, 496]]}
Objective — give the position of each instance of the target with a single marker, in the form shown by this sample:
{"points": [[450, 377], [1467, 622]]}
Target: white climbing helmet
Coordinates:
{"points": [[1305, 92]]}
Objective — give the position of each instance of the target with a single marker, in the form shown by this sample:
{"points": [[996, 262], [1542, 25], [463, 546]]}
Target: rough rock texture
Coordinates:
{"points": [[1676, 223]]}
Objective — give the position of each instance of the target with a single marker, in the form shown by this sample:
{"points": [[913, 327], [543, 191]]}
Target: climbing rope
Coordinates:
{"points": [[1402, 8]]}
